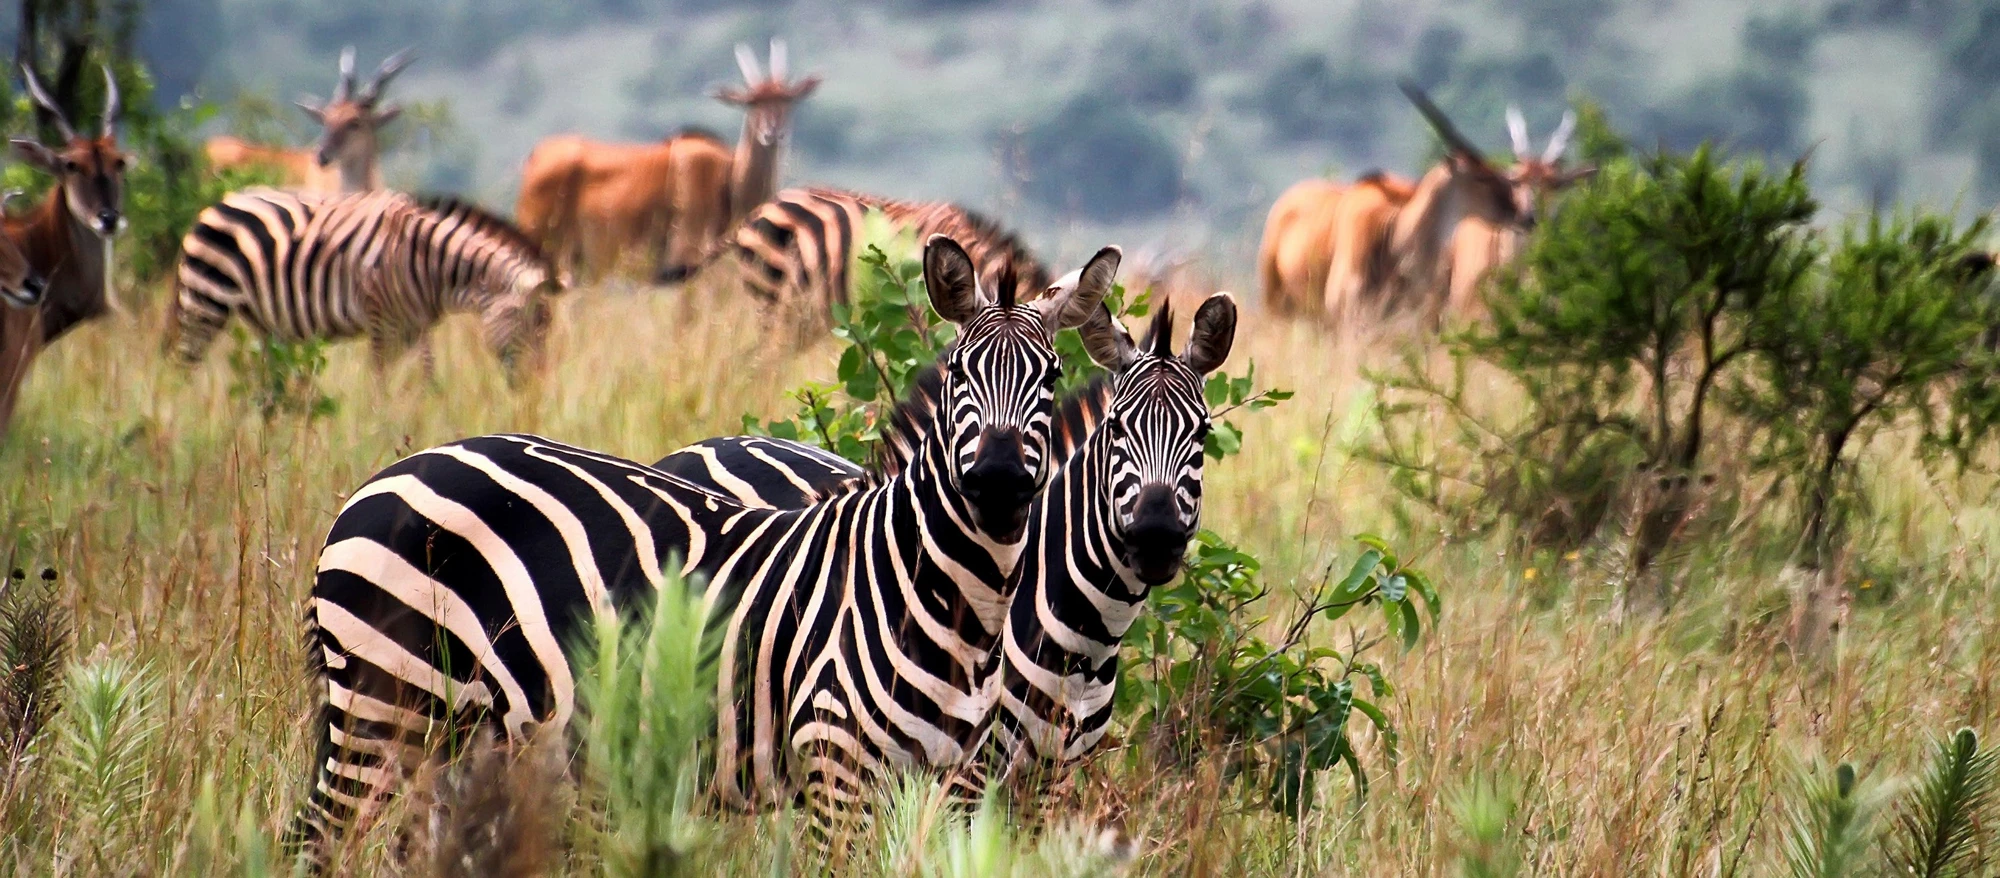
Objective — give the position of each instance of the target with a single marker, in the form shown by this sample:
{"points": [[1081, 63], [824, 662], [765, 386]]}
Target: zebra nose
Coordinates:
{"points": [[1155, 537], [999, 484]]}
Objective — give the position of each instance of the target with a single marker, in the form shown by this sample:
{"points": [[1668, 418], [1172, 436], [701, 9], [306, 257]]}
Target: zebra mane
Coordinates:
{"points": [[1035, 276], [1077, 415], [486, 221]]}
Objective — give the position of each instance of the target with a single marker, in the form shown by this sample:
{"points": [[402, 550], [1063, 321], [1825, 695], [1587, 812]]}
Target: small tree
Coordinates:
{"points": [[1633, 306], [1870, 343]]}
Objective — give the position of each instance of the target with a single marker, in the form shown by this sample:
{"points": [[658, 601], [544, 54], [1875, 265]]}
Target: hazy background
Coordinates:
{"points": [[1163, 124]]}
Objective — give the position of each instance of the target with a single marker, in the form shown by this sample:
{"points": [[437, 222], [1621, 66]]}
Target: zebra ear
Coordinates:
{"points": [[1107, 341], [1214, 333], [951, 281], [1072, 300]]}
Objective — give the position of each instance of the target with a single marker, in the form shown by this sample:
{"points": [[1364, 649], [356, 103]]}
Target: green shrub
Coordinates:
{"points": [[1198, 680], [278, 376], [646, 707]]}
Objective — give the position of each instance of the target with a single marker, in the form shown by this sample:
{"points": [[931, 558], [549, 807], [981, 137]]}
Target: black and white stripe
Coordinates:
{"points": [[1114, 522], [849, 633], [796, 249], [298, 266]]}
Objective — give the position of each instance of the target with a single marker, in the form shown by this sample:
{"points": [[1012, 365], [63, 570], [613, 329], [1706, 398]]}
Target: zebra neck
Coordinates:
{"points": [[962, 567], [1090, 524]]}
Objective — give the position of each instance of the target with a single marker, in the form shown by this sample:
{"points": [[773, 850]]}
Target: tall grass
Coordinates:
{"points": [[186, 528]]}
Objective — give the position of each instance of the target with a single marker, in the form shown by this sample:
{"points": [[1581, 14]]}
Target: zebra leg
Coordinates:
{"points": [[193, 320]]}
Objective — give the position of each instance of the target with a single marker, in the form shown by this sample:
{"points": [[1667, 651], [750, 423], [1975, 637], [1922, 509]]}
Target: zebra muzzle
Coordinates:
{"points": [[999, 485], [1155, 538]]}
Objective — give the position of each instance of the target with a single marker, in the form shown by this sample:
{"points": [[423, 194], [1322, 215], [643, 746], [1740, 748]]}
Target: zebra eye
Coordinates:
{"points": [[1055, 374], [1201, 433]]}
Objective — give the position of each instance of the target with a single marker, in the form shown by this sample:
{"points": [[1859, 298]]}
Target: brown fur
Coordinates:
{"points": [[1292, 261], [590, 202], [295, 168], [68, 253], [348, 155]]}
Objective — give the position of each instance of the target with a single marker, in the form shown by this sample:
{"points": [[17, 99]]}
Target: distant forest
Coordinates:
{"points": [[1175, 119]]}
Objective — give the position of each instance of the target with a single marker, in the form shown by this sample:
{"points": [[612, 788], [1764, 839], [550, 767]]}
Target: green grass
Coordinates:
{"points": [[185, 529]]}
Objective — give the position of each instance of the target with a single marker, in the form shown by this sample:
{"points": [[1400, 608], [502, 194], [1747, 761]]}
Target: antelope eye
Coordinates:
{"points": [[72, 166]]}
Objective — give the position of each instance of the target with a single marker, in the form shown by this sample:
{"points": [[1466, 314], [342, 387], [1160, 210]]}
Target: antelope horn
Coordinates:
{"points": [[778, 60], [391, 66], [344, 86], [111, 104], [747, 63], [1559, 141], [1517, 131], [1439, 121], [42, 99]]}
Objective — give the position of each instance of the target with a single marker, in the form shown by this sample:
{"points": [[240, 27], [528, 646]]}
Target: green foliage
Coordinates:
{"points": [[1635, 304], [1874, 340], [279, 376], [646, 704], [1488, 845], [1198, 679], [922, 833], [1226, 393], [108, 706], [1940, 829], [1830, 831]]}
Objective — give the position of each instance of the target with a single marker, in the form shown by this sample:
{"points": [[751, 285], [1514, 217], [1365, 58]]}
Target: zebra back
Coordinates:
{"points": [[796, 249]]}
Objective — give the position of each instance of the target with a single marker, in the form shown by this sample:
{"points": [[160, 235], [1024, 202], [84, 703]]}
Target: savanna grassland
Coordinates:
{"points": [[1538, 728]]}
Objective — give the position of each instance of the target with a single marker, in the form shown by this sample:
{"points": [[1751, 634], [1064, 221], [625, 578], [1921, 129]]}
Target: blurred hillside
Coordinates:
{"points": [[1168, 124]]}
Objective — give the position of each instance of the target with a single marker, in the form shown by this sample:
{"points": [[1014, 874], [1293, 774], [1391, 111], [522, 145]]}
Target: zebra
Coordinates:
{"points": [[1114, 523], [795, 250], [846, 634], [297, 266]]}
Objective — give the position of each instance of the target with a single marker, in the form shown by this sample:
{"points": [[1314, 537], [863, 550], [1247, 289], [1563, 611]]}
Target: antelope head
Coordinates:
{"points": [[767, 100], [1474, 187], [351, 117], [1538, 176], [89, 171]]}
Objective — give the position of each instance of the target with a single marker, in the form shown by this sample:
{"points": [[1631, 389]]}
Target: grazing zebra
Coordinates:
{"points": [[1114, 523], [848, 633], [796, 248], [297, 266]]}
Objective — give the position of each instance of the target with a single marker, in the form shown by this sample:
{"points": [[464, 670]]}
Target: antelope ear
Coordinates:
{"points": [[1214, 333], [951, 281], [1107, 341], [805, 87], [388, 114], [34, 153], [312, 108], [1071, 300]]}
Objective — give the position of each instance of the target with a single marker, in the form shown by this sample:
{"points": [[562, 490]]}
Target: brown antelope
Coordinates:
{"points": [[66, 238], [590, 202], [1384, 239], [347, 157], [1479, 245]]}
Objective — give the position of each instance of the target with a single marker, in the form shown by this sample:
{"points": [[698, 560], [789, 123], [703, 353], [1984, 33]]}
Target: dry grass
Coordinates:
{"points": [[185, 530]]}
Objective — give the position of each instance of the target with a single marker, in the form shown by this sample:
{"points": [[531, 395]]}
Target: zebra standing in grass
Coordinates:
{"points": [[795, 249], [1114, 523], [848, 634], [298, 266]]}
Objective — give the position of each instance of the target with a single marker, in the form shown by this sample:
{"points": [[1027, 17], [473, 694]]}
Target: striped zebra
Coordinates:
{"points": [[298, 266], [795, 250], [1114, 523], [848, 634]]}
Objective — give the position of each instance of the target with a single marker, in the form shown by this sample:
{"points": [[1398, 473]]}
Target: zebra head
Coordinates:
{"points": [[998, 379], [1155, 430]]}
